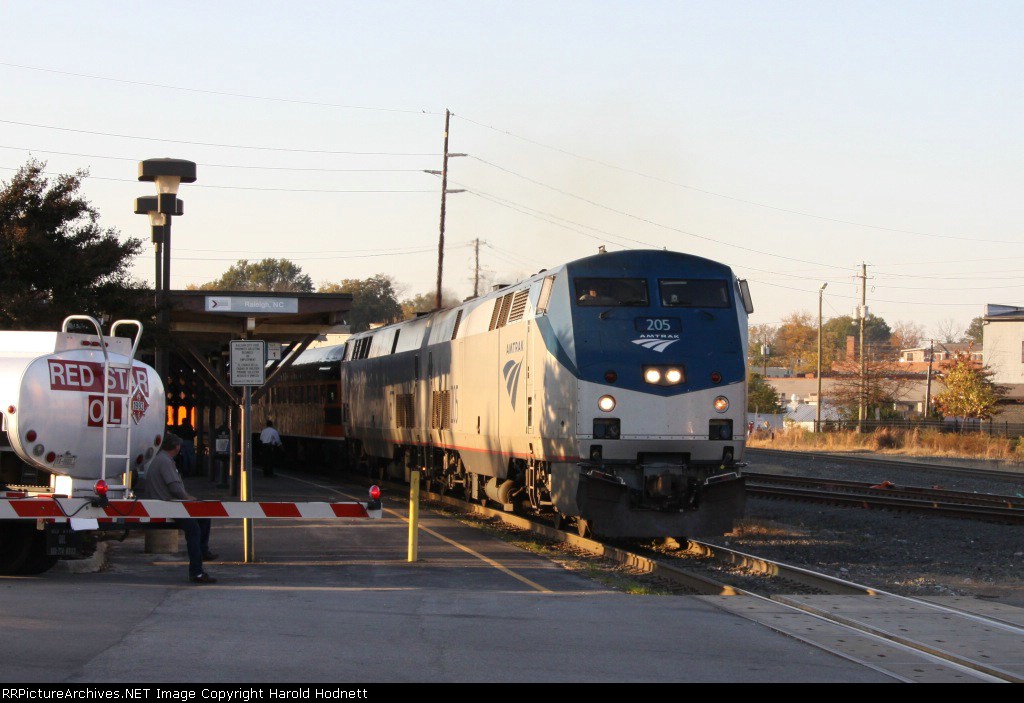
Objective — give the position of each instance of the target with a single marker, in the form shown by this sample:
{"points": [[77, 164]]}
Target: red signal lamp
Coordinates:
{"points": [[101, 488], [374, 492]]}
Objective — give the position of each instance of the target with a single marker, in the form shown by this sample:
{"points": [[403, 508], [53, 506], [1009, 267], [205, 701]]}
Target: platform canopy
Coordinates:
{"points": [[203, 323]]}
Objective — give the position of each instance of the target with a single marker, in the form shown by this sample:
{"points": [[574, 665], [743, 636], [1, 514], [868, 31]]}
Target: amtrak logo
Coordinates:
{"points": [[511, 374], [658, 345]]}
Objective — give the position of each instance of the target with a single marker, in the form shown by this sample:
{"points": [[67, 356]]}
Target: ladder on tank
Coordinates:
{"points": [[126, 401]]}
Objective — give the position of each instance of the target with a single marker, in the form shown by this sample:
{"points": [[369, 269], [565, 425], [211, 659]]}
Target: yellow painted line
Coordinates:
{"points": [[487, 560]]}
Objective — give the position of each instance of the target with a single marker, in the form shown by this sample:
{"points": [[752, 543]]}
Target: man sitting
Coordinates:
{"points": [[163, 482]]}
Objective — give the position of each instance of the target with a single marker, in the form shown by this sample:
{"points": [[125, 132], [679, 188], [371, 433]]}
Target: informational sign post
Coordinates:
{"points": [[248, 362], [248, 369]]}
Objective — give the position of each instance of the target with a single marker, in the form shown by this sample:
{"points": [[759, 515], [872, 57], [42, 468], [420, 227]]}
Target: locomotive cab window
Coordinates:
{"points": [[614, 292], [693, 293]]}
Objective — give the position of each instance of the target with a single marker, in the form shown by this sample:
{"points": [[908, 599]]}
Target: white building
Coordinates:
{"points": [[1003, 335]]}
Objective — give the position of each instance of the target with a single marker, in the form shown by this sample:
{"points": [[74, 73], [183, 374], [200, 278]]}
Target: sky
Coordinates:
{"points": [[793, 141]]}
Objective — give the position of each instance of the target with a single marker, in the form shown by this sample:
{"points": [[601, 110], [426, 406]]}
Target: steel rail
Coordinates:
{"points": [[752, 453], [707, 586], [885, 489], [997, 514]]}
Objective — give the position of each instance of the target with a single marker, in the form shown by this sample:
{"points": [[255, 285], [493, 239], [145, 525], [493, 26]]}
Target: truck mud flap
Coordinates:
{"points": [[63, 542]]}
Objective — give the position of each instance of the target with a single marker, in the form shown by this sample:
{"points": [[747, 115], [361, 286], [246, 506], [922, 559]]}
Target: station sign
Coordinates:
{"points": [[248, 362], [251, 305]]}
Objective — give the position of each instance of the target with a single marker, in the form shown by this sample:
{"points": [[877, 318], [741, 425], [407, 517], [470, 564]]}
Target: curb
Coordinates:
{"points": [[89, 565]]}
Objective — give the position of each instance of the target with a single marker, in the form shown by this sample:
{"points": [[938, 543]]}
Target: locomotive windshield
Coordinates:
{"points": [[694, 293], [612, 292]]}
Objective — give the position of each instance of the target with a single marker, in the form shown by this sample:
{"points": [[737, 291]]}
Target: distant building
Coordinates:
{"points": [[806, 415], [806, 392], [915, 359], [1003, 334]]}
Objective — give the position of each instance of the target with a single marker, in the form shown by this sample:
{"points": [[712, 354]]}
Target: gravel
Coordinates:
{"points": [[917, 555]]}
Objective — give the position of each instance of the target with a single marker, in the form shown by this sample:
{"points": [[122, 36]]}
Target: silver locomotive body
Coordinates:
{"points": [[538, 394]]}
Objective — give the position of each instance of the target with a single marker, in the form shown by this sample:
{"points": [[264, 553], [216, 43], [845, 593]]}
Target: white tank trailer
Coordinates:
{"points": [[77, 408]]}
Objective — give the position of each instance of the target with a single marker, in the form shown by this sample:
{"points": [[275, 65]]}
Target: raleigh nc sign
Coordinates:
{"points": [[250, 305]]}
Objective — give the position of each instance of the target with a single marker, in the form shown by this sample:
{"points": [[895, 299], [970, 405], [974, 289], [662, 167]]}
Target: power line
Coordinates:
{"points": [[397, 250], [238, 166], [216, 92], [226, 146], [680, 231], [730, 197], [254, 188], [876, 300]]}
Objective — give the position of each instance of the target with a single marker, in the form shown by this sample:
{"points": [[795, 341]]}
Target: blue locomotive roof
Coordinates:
{"points": [[644, 326]]}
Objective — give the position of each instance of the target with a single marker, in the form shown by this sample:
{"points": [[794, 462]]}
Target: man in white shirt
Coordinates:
{"points": [[272, 447]]}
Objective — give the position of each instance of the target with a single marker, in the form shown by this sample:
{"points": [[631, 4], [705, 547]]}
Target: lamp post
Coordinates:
{"points": [[167, 174], [817, 412], [149, 205]]}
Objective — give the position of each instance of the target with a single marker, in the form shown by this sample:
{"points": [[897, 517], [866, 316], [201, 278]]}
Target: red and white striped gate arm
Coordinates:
{"points": [[49, 508]]}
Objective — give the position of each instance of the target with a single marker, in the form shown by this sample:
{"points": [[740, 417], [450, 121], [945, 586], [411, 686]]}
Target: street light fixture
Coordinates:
{"points": [[817, 412], [167, 174], [149, 205]]}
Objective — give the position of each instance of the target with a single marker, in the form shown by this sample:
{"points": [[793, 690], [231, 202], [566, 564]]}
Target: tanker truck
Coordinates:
{"points": [[81, 417]]}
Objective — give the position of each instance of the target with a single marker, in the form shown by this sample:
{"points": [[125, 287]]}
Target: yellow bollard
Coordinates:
{"points": [[414, 515]]}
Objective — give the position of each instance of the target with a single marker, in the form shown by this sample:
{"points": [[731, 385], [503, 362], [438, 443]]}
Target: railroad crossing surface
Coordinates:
{"points": [[337, 601]]}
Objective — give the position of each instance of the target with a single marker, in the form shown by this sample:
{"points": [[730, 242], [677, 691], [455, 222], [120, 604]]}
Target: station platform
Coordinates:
{"points": [[336, 600]]}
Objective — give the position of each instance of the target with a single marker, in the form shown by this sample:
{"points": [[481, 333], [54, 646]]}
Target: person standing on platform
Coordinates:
{"points": [[188, 448], [272, 448], [163, 482]]}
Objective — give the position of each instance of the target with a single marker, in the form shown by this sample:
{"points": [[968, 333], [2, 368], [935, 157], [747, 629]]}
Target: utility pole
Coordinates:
{"points": [[476, 268], [444, 188], [928, 385], [443, 173], [817, 411], [862, 313]]}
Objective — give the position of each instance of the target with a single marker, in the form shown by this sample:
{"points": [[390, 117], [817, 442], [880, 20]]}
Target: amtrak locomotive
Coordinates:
{"points": [[611, 390]]}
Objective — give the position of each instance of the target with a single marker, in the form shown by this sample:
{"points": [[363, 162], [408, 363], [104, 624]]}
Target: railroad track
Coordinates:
{"points": [[887, 496], [887, 463], [909, 639]]}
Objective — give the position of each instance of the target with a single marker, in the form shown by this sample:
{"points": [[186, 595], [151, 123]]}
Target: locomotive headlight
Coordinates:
{"points": [[721, 403], [652, 375], [606, 403], [673, 375]]}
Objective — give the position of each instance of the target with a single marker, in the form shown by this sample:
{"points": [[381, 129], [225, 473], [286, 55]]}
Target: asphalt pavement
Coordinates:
{"points": [[337, 601]]}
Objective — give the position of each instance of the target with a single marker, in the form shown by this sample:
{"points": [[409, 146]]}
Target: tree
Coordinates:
{"points": [[796, 342], [970, 392], [276, 275], [906, 335], [424, 302], [757, 337], [57, 260], [883, 383], [947, 330], [373, 300], [877, 338], [762, 396], [975, 331]]}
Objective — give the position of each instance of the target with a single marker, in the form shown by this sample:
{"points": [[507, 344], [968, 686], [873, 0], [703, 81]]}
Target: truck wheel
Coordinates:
{"points": [[15, 546]]}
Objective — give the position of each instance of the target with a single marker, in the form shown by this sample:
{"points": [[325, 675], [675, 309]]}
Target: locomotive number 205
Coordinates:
{"points": [[658, 324]]}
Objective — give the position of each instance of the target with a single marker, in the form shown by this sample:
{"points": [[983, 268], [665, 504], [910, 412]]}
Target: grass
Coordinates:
{"points": [[896, 442], [611, 575]]}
